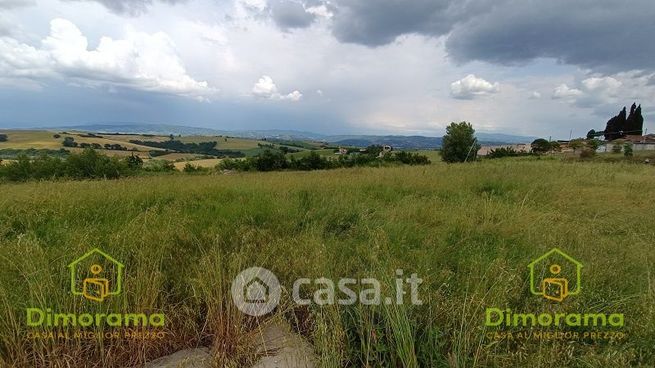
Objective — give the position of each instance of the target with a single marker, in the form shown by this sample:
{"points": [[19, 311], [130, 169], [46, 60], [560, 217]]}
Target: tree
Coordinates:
{"points": [[540, 145], [459, 144], [576, 144], [594, 144], [69, 142], [134, 162], [591, 134]]}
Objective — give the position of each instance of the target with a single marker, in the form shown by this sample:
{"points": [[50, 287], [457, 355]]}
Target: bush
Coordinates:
{"points": [[270, 161], [616, 147], [588, 153], [134, 162], [409, 158], [158, 166], [313, 161], [627, 149], [541, 145], [69, 142], [3, 138], [86, 165]]}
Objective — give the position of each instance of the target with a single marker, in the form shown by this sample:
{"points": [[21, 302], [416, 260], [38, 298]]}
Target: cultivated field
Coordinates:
{"points": [[469, 230], [53, 140]]}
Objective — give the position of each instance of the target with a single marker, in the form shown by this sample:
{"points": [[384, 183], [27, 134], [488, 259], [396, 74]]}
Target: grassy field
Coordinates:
{"points": [[468, 230]]}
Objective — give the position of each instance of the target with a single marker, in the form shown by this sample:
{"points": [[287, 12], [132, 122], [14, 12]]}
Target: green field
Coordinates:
{"points": [[468, 230]]}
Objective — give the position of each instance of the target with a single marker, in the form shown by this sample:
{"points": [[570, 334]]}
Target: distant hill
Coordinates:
{"points": [[139, 128], [399, 141]]}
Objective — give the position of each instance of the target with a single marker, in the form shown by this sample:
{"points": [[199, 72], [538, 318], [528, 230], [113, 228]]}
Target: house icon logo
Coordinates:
{"points": [[256, 291], [555, 275], [96, 275]]}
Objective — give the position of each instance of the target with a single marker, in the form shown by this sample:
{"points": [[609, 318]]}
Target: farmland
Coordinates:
{"points": [[123, 145], [468, 230]]}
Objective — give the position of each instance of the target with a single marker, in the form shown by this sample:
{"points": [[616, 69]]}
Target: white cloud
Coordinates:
{"points": [[535, 95], [605, 85], [320, 10], [141, 61], [472, 86], [293, 96], [565, 92], [266, 88]]}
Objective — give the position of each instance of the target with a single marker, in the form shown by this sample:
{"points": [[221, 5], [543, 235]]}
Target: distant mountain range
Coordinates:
{"points": [[399, 141]]}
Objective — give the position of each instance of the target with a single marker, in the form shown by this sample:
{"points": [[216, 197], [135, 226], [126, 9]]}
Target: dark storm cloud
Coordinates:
{"points": [[290, 14], [378, 22], [130, 7], [603, 35], [608, 35]]}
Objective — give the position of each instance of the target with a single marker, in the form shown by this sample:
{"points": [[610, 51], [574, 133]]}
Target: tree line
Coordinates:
{"points": [[275, 161]]}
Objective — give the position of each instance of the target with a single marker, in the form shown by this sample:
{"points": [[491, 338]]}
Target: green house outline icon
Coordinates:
{"points": [[578, 267], [119, 277]]}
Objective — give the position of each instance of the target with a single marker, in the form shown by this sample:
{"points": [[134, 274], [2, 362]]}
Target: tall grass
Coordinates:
{"points": [[468, 230]]}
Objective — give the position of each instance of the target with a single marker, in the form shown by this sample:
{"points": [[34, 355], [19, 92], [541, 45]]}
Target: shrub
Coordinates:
{"points": [[69, 142], [134, 162], [3, 138], [627, 149], [270, 161], [541, 145], [409, 158], [616, 147], [588, 153]]}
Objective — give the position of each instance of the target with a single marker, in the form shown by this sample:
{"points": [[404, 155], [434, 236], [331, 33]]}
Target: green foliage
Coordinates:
{"points": [[313, 161], [88, 164], [276, 161], [189, 168], [205, 148], [506, 152], [158, 166], [3, 138], [627, 149], [576, 144], [134, 162], [12, 153], [459, 144], [594, 143], [409, 158], [470, 232], [617, 147], [69, 142], [541, 145]]}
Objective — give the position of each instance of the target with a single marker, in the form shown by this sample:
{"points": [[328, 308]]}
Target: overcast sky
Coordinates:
{"points": [[342, 66]]}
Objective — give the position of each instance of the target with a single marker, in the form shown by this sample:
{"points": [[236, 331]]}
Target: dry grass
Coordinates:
{"points": [[468, 230]]}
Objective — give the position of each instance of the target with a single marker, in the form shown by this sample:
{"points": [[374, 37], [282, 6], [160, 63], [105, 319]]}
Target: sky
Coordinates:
{"points": [[526, 67]]}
